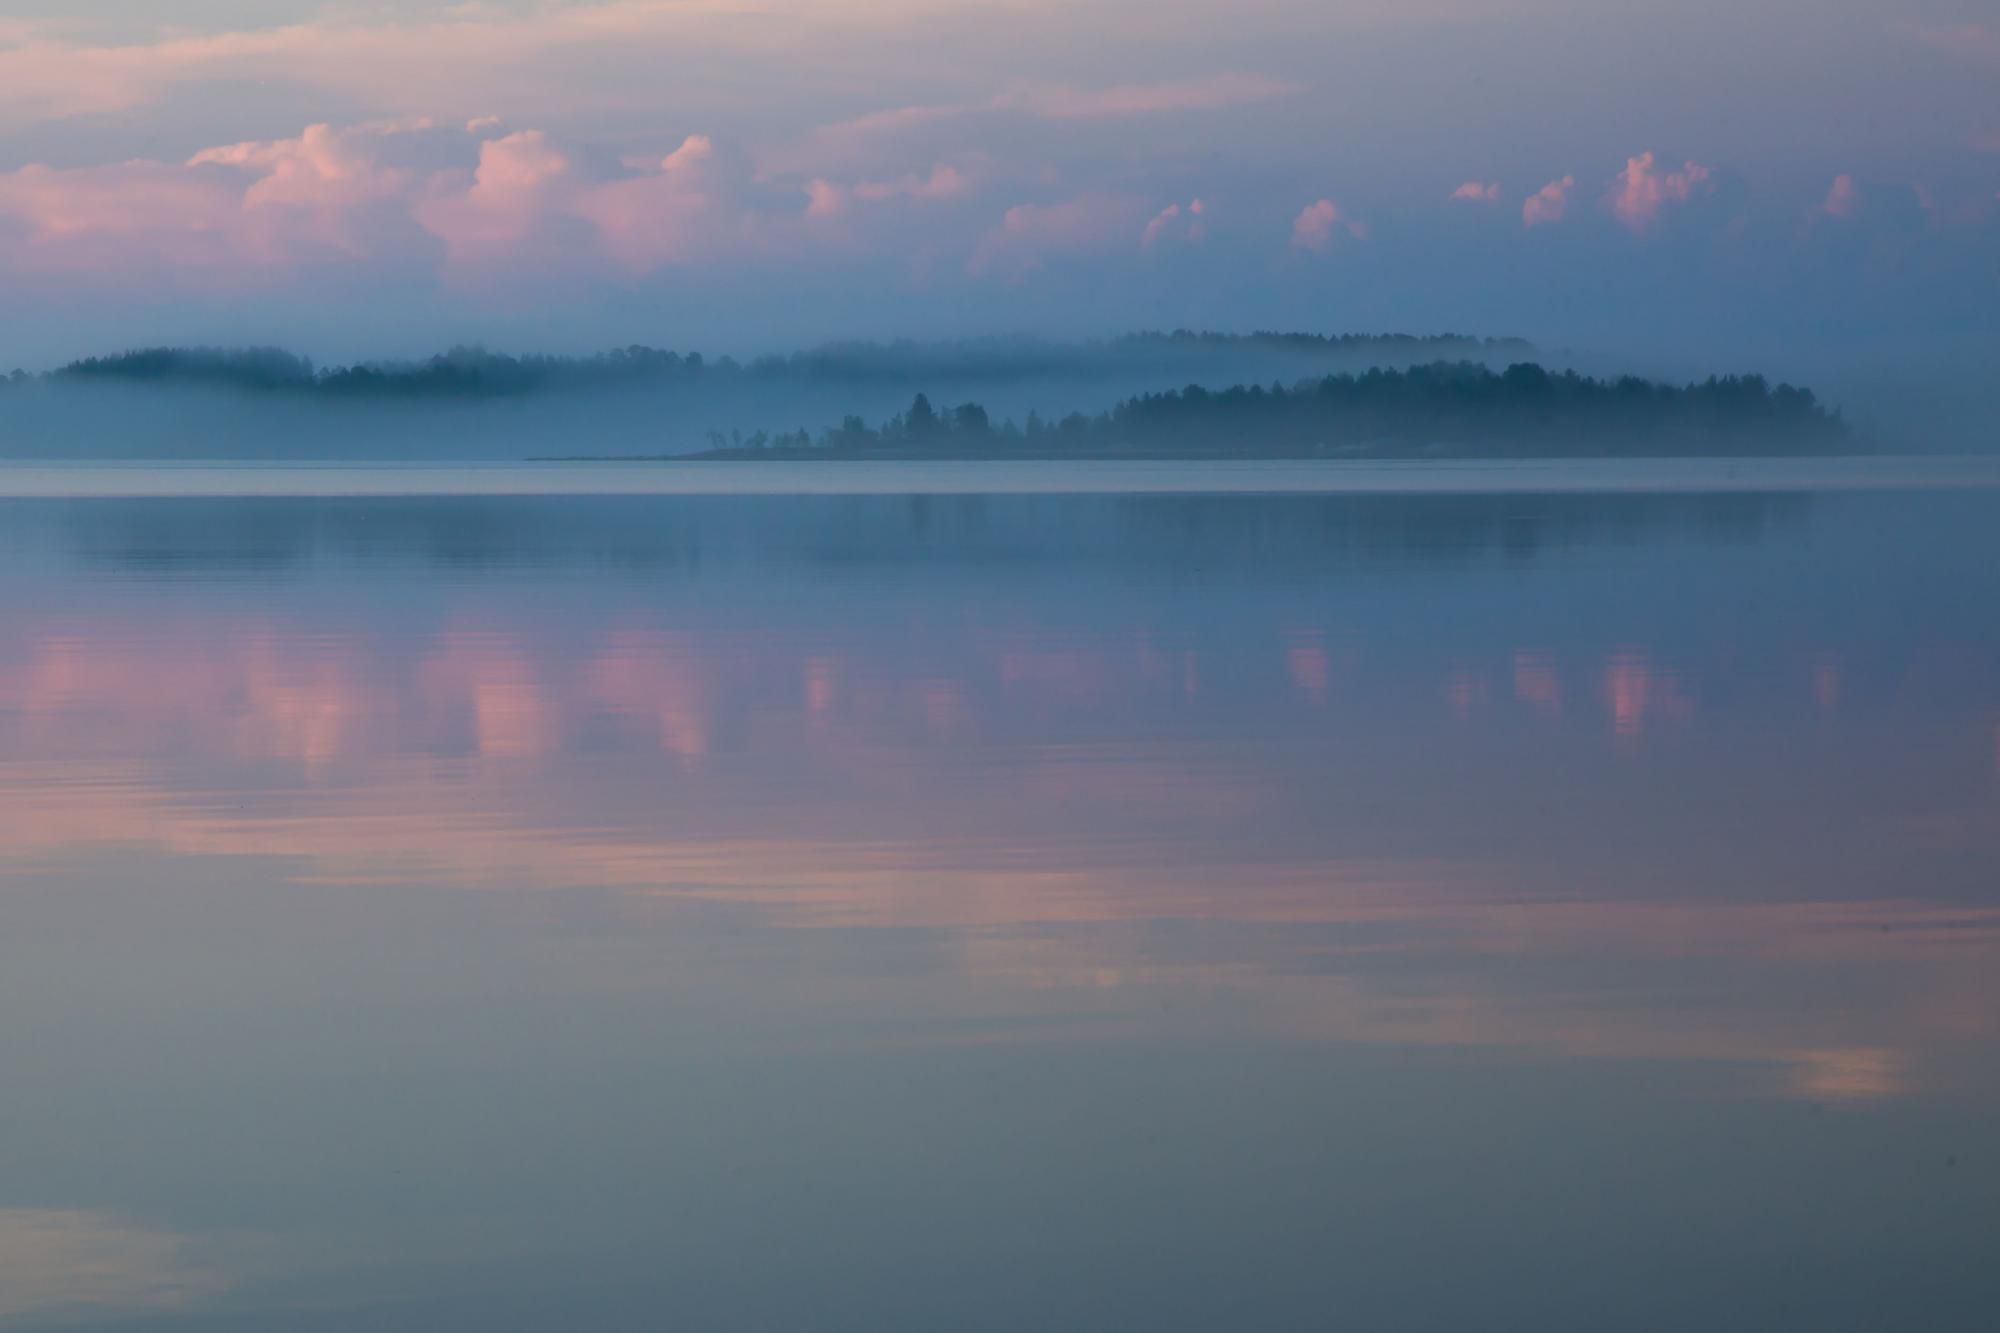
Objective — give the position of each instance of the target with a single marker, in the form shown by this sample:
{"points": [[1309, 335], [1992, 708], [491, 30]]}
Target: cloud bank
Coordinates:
{"points": [[936, 167]]}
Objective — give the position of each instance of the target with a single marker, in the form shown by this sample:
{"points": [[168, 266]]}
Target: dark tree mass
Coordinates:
{"points": [[472, 372], [1444, 410]]}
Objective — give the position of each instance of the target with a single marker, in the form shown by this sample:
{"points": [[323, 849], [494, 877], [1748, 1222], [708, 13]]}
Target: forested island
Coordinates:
{"points": [[1447, 410], [476, 373], [1459, 397]]}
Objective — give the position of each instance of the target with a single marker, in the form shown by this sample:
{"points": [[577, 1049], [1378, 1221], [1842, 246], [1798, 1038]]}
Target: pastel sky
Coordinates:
{"points": [[1630, 175]]}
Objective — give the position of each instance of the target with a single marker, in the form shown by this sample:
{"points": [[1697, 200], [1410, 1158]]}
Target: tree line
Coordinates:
{"points": [[1459, 409], [471, 372]]}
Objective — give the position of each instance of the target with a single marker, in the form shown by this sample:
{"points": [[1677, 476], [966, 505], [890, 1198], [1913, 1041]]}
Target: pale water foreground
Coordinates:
{"points": [[1006, 477], [1501, 911]]}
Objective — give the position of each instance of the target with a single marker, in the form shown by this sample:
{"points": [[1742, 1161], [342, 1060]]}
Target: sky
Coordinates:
{"points": [[1681, 181]]}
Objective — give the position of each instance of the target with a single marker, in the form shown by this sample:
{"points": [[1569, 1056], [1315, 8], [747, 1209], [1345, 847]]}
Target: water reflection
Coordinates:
{"points": [[1204, 782], [1160, 532]]}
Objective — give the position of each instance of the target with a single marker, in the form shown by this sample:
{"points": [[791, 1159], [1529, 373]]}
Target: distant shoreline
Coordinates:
{"points": [[1345, 456], [817, 455]]}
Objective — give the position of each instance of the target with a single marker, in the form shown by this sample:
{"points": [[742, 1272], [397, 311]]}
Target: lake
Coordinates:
{"points": [[1499, 904]]}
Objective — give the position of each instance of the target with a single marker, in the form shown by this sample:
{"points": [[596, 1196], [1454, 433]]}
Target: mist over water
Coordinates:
{"points": [[893, 911], [468, 404], [676, 408]]}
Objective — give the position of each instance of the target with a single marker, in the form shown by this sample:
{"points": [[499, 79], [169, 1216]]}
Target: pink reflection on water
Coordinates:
{"points": [[942, 706], [1827, 680], [658, 679], [1307, 666], [822, 685], [1637, 693], [490, 676], [1058, 670], [1464, 692], [1536, 683], [305, 709], [1097, 839], [250, 693]]}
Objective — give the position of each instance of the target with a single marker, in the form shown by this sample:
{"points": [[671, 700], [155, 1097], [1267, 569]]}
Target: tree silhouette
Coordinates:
{"points": [[1441, 410]]}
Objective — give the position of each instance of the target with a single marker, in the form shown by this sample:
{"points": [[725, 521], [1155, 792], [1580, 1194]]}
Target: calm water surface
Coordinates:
{"points": [[1539, 912]]}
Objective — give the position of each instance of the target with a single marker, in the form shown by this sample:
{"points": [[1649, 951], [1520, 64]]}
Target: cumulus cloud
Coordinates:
{"points": [[1318, 223], [328, 188], [1477, 193], [1548, 204], [1176, 222], [692, 207], [518, 183], [473, 202], [824, 199], [1642, 189], [1030, 234], [1842, 198], [357, 194]]}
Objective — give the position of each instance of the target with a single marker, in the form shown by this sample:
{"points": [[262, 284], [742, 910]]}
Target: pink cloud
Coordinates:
{"points": [[1842, 198], [694, 151], [824, 199], [324, 194], [1642, 189], [516, 165], [135, 217], [520, 180], [1548, 204], [1475, 192], [1028, 234], [1175, 222], [348, 195], [1317, 224], [327, 188], [685, 211]]}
